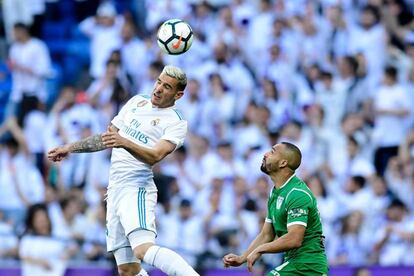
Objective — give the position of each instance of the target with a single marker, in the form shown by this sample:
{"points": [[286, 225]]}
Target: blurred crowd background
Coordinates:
{"points": [[334, 77]]}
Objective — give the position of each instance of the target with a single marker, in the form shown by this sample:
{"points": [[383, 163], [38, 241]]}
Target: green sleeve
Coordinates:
{"points": [[269, 216], [297, 207]]}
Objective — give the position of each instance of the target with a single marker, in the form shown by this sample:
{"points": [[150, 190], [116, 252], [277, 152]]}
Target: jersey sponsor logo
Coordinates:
{"points": [[136, 134], [297, 212], [155, 122], [279, 202], [142, 103], [135, 123], [132, 131]]}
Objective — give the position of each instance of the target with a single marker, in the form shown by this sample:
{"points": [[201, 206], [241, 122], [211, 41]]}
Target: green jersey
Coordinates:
{"points": [[294, 203]]}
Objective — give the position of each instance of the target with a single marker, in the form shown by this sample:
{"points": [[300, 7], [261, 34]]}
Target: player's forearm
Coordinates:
{"points": [[32, 260], [90, 144], [282, 244], [146, 155], [261, 239]]}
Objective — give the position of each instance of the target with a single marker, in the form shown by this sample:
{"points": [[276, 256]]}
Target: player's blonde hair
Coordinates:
{"points": [[178, 74]]}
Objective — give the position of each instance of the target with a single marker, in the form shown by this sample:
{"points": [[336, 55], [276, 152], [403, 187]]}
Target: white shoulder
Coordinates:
{"points": [[143, 96], [178, 115], [138, 98]]}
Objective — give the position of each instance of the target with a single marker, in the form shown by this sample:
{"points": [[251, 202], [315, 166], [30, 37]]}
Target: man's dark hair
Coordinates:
{"points": [[391, 72], [353, 63], [22, 26], [359, 181], [374, 11], [185, 203], [31, 214], [294, 154], [9, 141], [397, 203]]}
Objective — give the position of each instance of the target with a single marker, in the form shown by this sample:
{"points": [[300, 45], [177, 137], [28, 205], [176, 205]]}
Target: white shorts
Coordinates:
{"points": [[129, 209]]}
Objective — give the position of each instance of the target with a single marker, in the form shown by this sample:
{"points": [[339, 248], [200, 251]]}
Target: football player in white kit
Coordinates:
{"points": [[145, 131]]}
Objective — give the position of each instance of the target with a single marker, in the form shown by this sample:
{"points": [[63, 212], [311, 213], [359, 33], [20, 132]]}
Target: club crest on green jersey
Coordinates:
{"points": [[279, 202]]}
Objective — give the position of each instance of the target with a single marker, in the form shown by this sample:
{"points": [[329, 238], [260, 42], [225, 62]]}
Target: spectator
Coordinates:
{"points": [[94, 246], [183, 231], [356, 89], [394, 240], [332, 98], [104, 30], [41, 253], [30, 63], [133, 55], [16, 195], [391, 106], [368, 39], [350, 246], [9, 244]]}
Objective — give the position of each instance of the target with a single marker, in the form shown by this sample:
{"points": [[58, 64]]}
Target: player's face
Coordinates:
{"points": [[273, 159], [165, 91]]}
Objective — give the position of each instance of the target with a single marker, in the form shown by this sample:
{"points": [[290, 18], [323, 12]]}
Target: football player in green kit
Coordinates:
{"points": [[292, 224]]}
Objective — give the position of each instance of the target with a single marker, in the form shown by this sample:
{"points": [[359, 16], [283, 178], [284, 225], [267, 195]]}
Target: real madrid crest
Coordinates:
{"points": [[155, 122], [142, 103]]}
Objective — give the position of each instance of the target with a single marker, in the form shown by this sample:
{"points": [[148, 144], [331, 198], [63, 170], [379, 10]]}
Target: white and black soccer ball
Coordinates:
{"points": [[175, 37]]}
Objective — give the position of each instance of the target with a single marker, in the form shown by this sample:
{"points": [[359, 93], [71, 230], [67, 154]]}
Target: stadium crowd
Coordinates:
{"points": [[336, 78]]}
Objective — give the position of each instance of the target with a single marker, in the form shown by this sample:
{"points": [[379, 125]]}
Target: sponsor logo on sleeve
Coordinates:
{"points": [[297, 212]]}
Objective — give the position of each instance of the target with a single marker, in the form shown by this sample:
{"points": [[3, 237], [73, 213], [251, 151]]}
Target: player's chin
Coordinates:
{"points": [[263, 168]]}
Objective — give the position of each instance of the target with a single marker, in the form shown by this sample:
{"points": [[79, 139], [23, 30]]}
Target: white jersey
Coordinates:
{"points": [[144, 125]]}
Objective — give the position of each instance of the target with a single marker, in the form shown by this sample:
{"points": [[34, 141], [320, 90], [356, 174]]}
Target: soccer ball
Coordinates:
{"points": [[175, 37]]}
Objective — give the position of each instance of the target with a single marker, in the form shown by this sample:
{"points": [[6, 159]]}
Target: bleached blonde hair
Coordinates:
{"points": [[178, 74]]}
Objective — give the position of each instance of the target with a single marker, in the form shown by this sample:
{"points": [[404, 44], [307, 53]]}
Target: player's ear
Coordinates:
{"points": [[178, 95], [283, 163]]}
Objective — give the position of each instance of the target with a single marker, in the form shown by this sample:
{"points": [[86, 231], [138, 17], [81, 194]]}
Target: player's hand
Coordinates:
{"points": [[112, 139], [58, 154], [45, 264], [232, 260], [252, 258]]}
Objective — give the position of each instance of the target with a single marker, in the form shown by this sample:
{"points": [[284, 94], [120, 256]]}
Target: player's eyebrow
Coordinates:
{"points": [[167, 85]]}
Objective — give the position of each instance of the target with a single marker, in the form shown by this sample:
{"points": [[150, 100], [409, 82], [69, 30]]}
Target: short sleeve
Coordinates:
{"points": [[118, 120], [268, 218], [176, 133], [297, 207]]}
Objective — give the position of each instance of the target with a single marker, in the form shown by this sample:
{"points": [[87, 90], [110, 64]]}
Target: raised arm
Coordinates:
{"points": [[112, 139], [90, 144], [266, 235]]}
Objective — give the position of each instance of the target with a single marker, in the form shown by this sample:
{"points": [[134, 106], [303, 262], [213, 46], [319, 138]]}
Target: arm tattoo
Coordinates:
{"points": [[90, 144]]}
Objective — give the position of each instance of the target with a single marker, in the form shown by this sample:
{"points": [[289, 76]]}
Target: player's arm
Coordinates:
{"points": [[291, 240], [297, 207], [173, 137], [266, 235], [147, 155], [90, 144]]}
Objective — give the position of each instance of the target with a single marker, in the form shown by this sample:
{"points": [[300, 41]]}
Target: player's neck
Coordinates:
{"points": [[159, 106], [280, 178]]}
